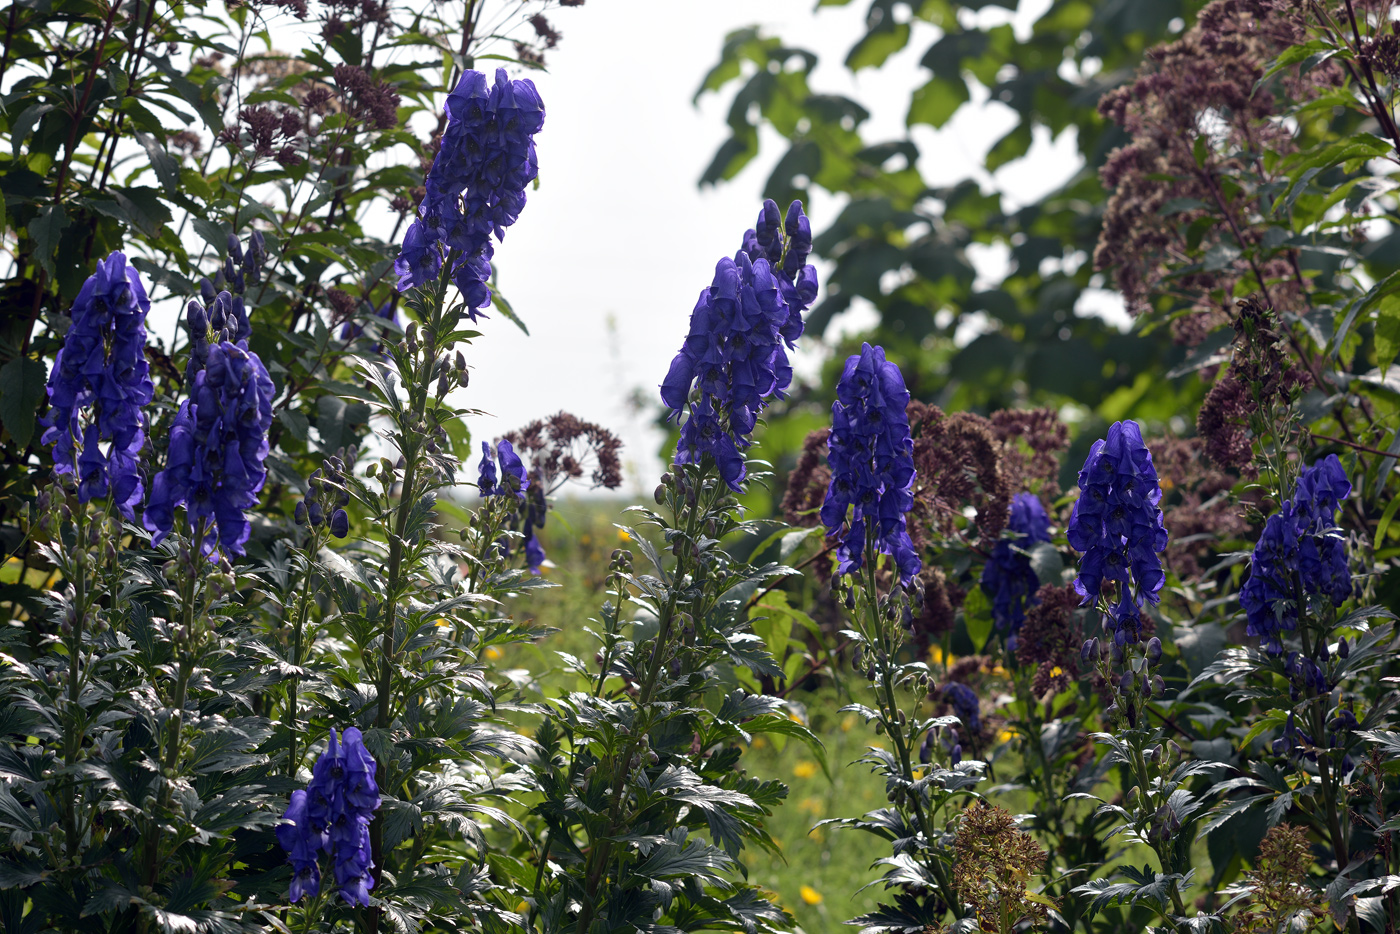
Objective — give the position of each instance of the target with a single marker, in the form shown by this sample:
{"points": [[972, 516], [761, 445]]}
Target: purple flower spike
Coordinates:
{"points": [[476, 186], [100, 382], [871, 455]]}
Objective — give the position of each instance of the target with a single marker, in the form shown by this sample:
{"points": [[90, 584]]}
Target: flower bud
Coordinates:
{"points": [[1125, 682], [1154, 650], [1343, 649], [660, 494], [340, 523], [1159, 687], [1089, 650], [955, 756], [299, 514], [444, 385]]}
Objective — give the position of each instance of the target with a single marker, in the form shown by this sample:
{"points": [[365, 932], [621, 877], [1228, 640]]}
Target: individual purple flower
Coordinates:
{"points": [[871, 455], [342, 797], [1008, 577], [965, 704], [218, 443], [1300, 553], [734, 352], [514, 479], [476, 186], [303, 844], [1117, 526], [99, 383], [486, 473]]}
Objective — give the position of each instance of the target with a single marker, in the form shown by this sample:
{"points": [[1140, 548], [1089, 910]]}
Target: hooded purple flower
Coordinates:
{"points": [[514, 478], [99, 383], [303, 844], [476, 186], [218, 443], [1117, 526], [871, 455]]}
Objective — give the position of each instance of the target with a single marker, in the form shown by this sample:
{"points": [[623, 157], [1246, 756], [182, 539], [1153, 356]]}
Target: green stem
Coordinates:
{"points": [[878, 634], [303, 610], [599, 854]]}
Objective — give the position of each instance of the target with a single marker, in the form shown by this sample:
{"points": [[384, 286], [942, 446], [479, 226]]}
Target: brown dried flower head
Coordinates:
{"points": [[1282, 899], [993, 860], [564, 447], [1196, 114], [1050, 639], [1261, 374], [958, 460]]}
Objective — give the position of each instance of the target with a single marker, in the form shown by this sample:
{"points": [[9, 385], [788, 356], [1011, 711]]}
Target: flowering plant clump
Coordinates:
{"points": [[294, 647]]}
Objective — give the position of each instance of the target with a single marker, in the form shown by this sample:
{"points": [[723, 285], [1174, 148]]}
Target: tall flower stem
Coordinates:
{"points": [[298, 627], [876, 633], [601, 851]]}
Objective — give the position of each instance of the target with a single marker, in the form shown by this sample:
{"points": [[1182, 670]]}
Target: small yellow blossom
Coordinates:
{"points": [[795, 718], [1005, 736], [623, 536], [1166, 484], [999, 672], [522, 908], [811, 805], [494, 654], [758, 743], [1056, 671], [444, 622], [918, 774], [585, 539], [936, 657], [847, 722], [810, 895], [804, 769]]}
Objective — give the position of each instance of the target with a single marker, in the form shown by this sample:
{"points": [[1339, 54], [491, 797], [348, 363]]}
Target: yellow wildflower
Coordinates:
{"points": [[810, 895], [623, 536], [522, 908], [1056, 671], [758, 743], [494, 654], [847, 722], [804, 769], [585, 539]]}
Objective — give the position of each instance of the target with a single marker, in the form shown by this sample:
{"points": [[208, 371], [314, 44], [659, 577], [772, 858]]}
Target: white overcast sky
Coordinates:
{"points": [[611, 252]]}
